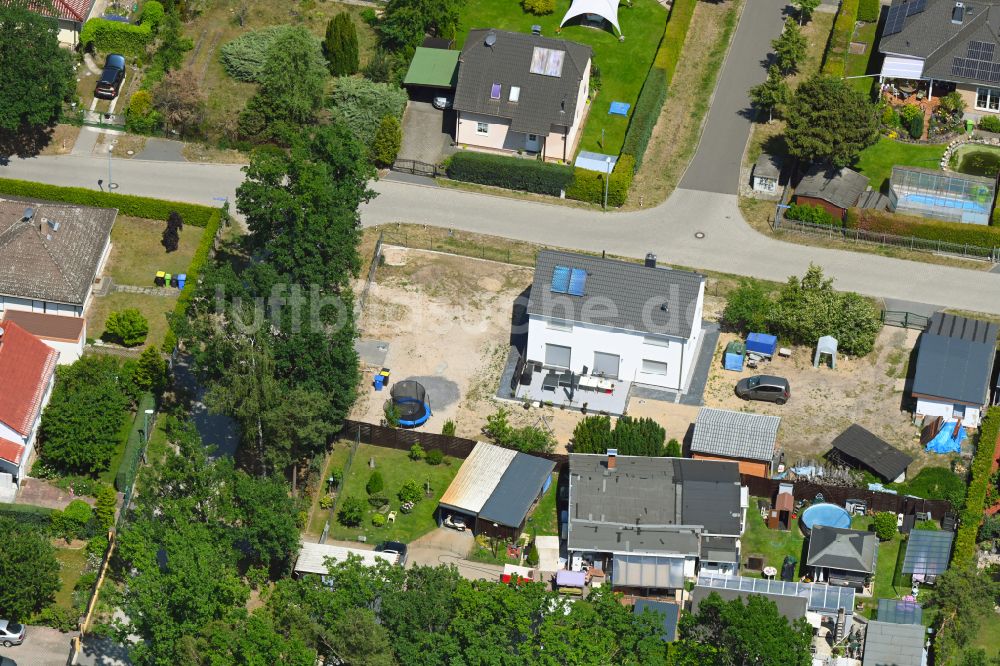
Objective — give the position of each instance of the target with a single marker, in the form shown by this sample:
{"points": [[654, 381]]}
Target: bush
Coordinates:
{"points": [[243, 58], [388, 140], [362, 104], [511, 173], [152, 14], [104, 511], [140, 116], [351, 511], [885, 525], [434, 457], [916, 127], [417, 451], [375, 483], [889, 116], [115, 37], [97, 547], [378, 520], [58, 617], [410, 492], [812, 214], [377, 500], [645, 114], [539, 7], [325, 502], [990, 123], [73, 521], [126, 327], [592, 434], [448, 428], [748, 307], [589, 185], [531, 555], [990, 528], [868, 10], [977, 235], [953, 103], [975, 499], [673, 449], [834, 60]]}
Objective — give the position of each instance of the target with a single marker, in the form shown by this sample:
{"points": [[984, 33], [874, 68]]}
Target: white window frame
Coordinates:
{"points": [[482, 128], [992, 98], [559, 325], [648, 362], [515, 94], [567, 347], [653, 341]]}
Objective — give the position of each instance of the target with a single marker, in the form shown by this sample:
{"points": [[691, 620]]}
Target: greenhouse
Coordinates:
{"points": [[941, 195]]}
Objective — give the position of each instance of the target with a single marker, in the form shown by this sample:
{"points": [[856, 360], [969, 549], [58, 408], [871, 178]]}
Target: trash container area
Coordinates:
{"points": [[969, 126], [181, 279], [173, 281]]}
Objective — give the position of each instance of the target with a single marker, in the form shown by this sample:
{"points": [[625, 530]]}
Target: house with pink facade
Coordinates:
{"points": [[521, 93]]}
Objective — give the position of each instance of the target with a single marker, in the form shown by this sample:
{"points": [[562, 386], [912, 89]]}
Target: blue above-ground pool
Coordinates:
{"points": [[827, 515]]}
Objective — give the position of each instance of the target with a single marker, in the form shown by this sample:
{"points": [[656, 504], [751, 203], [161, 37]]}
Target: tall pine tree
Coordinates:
{"points": [[340, 46]]}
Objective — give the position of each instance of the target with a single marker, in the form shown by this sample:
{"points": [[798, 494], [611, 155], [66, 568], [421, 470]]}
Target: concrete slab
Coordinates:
{"points": [[441, 391], [162, 150], [372, 352], [426, 133]]}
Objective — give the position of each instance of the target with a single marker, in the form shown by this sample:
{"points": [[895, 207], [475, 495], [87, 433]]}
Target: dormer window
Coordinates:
{"points": [[495, 91], [515, 93]]}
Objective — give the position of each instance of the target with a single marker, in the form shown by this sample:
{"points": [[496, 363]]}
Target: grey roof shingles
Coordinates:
{"points": [[873, 452], [955, 358], [836, 548], [544, 102], [890, 644], [767, 166], [724, 432], [39, 263], [841, 187], [618, 294], [517, 490]]}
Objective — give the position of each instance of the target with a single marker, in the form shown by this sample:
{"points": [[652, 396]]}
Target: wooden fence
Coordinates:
{"points": [[876, 501]]}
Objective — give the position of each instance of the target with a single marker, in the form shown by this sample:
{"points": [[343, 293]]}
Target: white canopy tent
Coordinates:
{"points": [[607, 9]]}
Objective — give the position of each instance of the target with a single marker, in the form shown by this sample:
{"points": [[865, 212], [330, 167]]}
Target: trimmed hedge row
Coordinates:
{"points": [[975, 499], [669, 53], [510, 172], [647, 111], [834, 60], [116, 37], [198, 262], [589, 185], [977, 235], [127, 204], [868, 10], [25, 514]]}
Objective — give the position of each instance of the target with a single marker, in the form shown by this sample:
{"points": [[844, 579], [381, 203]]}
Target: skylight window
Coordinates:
{"points": [[495, 91], [515, 93]]}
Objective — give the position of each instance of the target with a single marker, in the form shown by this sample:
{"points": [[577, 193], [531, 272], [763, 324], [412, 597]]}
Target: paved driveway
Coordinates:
{"points": [[446, 546], [42, 647], [426, 133]]}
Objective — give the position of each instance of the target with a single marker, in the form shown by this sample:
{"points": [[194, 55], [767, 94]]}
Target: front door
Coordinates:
{"points": [[532, 144]]}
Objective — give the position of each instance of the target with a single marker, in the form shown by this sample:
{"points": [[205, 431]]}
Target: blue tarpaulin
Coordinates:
{"points": [[944, 442], [619, 109], [595, 161], [762, 343]]}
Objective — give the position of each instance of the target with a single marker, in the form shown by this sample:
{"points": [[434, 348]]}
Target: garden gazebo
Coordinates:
{"points": [[606, 9]]}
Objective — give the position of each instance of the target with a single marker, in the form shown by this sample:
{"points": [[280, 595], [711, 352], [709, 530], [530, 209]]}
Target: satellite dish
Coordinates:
{"points": [[491, 38]]}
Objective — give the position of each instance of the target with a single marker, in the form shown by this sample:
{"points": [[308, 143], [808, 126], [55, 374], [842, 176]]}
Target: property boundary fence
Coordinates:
{"points": [[359, 307], [808, 490], [904, 319], [863, 237], [466, 249], [418, 168], [97, 119]]}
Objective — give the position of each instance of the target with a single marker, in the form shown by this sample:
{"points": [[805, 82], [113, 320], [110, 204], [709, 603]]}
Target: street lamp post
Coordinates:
{"points": [[607, 177]]}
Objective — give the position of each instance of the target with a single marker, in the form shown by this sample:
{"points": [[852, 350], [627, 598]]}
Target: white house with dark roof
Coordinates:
{"points": [[518, 93], [50, 255], [742, 437], [622, 321]]}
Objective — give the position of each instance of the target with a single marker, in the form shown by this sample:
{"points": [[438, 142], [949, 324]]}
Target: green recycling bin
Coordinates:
{"points": [[969, 126]]}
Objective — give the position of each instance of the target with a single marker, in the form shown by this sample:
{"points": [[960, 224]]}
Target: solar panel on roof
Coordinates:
{"points": [[547, 62], [560, 279], [894, 20], [577, 281], [981, 50], [915, 7]]}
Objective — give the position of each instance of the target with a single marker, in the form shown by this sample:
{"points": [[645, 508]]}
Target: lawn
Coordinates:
{"points": [[336, 460], [877, 161], [933, 483], [773, 545], [137, 254], [153, 308], [857, 63], [71, 564], [544, 519], [623, 65], [396, 468], [890, 559]]}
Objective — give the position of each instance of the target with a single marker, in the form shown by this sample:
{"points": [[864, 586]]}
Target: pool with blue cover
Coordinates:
{"points": [[943, 202], [827, 515]]}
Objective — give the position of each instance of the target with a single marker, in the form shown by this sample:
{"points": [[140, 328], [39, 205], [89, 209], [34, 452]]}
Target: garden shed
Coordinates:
{"points": [[432, 68], [834, 190], [766, 173], [941, 195], [857, 447]]}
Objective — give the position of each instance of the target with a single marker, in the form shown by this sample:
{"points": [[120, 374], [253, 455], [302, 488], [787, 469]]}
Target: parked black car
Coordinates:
{"points": [[393, 547], [110, 83], [764, 387]]}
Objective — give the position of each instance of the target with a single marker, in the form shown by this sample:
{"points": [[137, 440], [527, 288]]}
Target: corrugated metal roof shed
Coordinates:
{"points": [[477, 478], [724, 432], [313, 556], [890, 644], [517, 490]]}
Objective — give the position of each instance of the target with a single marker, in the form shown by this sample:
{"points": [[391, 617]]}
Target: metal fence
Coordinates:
{"points": [[904, 319], [135, 452], [98, 119], [418, 168], [359, 306], [864, 237]]}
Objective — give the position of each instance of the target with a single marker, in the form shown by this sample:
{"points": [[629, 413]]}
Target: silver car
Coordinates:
{"points": [[11, 633]]}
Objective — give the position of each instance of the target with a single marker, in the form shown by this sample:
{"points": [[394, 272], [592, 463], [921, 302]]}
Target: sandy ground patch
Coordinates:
{"points": [[866, 391], [675, 418], [62, 140]]}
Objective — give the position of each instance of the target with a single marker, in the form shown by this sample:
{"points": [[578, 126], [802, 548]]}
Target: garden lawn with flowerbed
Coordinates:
{"points": [[772, 545], [396, 469], [72, 562], [137, 253], [623, 65], [877, 161], [153, 308]]}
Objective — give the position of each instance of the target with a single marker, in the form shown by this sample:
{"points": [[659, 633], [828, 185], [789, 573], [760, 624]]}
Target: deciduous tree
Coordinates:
{"points": [[805, 9], [180, 101], [29, 572], [828, 120], [748, 307], [962, 597]]}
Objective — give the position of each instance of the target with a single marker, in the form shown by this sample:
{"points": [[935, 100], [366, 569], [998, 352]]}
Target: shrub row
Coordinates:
{"points": [[116, 37], [975, 499], [834, 60], [127, 204], [510, 172], [959, 233], [198, 262], [810, 213], [589, 185], [647, 111], [868, 10], [25, 514], [669, 53]]}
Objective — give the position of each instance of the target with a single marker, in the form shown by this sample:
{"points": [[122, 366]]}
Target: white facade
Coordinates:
{"points": [[949, 410], [656, 360], [6, 432]]}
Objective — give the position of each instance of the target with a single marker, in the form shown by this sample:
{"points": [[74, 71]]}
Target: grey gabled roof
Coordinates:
{"points": [[891, 644], [841, 187], [618, 294], [873, 452], [544, 101], [836, 548], [955, 359], [517, 490], [792, 607], [724, 432], [40, 263]]}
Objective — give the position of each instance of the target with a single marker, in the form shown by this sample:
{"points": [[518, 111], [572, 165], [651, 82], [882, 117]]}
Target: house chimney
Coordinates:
{"points": [[612, 459], [958, 13], [650, 260]]}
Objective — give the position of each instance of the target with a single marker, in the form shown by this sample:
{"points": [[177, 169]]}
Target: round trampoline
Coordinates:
{"points": [[827, 515], [411, 400]]}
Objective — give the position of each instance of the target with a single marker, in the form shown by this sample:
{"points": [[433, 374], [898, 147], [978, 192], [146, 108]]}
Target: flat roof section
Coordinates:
{"points": [[313, 556], [433, 68], [48, 326], [517, 490]]}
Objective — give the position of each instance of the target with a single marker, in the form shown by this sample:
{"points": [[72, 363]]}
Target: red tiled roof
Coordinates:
{"points": [[11, 451], [26, 366], [71, 10]]}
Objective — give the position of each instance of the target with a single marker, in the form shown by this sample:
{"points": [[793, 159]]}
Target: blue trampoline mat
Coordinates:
{"points": [[619, 109]]}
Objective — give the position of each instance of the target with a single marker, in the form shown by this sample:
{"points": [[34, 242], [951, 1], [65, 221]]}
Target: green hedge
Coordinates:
{"points": [[868, 10], [116, 37], [669, 53], [127, 204], [975, 499], [647, 111], [589, 185], [25, 514], [134, 445], [194, 269], [834, 60], [511, 173], [976, 235]]}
